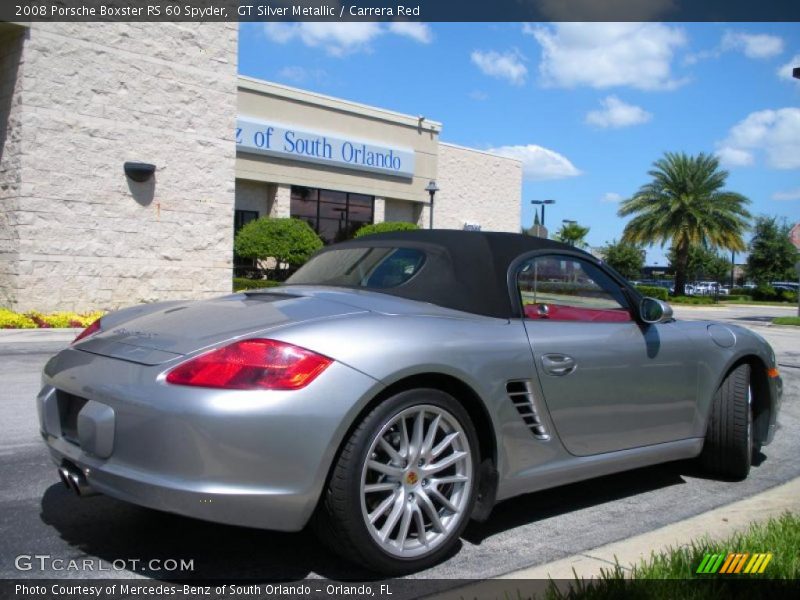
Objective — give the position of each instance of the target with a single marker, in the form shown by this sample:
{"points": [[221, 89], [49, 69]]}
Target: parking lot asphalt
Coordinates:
{"points": [[39, 516]]}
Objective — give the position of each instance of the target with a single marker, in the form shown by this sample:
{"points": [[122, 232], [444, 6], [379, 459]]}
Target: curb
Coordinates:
{"points": [[19, 336], [718, 523]]}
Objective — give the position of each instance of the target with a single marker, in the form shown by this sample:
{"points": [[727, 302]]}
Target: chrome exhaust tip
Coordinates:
{"points": [[75, 480], [63, 475]]}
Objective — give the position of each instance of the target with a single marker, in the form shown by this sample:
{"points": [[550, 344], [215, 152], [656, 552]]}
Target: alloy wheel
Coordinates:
{"points": [[416, 481]]}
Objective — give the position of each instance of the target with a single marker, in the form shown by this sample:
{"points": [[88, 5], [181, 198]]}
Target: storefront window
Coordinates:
{"points": [[335, 216]]}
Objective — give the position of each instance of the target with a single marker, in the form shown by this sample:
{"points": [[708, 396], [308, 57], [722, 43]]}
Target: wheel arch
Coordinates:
{"points": [[762, 398], [460, 390]]}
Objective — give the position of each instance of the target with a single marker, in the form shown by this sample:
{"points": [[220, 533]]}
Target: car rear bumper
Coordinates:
{"points": [[257, 459]]}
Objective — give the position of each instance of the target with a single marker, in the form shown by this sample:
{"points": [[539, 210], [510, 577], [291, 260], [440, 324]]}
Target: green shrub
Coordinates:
{"points": [[766, 292], [787, 296], [289, 241], [654, 291], [692, 300], [736, 298], [12, 320], [243, 283], [385, 227]]}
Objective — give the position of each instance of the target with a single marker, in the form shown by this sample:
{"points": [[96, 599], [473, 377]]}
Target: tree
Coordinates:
{"points": [[772, 254], [686, 204], [572, 234], [627, 259], [287, 241], [703, 263], [384, 227]]}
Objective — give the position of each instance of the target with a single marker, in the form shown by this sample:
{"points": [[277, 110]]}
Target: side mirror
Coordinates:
{"points": [[654, 311]]}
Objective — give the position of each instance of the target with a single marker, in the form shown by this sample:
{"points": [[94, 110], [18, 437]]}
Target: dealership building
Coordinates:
{"points": [[78, 101]]}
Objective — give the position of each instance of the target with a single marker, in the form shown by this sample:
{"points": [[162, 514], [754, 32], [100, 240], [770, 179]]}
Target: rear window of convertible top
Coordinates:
{"points": [[375, 268]]}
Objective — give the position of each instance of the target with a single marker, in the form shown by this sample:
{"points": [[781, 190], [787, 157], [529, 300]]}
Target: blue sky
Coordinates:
{"points": [[588, 107]]}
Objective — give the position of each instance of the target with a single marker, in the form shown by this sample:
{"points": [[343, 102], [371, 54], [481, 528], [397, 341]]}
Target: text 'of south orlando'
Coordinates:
{"points": [[266, 10]]}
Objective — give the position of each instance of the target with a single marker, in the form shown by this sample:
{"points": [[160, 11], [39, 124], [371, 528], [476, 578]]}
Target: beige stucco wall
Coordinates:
{"points": [[11, 44], [316, 112], [477, 187], [93, 96]]}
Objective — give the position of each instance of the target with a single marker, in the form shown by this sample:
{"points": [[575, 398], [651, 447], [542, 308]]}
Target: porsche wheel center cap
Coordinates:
{"points": [[411, 478]]}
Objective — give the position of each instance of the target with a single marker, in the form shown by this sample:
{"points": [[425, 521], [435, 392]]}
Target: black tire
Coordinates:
{"points": [[339, 522], [728, 448]]}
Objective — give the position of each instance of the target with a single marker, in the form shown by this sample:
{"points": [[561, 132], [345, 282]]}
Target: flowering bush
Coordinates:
{"points": [[12, 320], [33, 319]]}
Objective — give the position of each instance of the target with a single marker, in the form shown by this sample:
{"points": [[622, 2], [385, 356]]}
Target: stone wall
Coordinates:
{"points": [[476, 187], [11, 44], [93, 97]]}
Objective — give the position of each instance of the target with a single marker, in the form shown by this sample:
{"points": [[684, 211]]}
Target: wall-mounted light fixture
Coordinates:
{"points": [[139, 171], [431, 188]]}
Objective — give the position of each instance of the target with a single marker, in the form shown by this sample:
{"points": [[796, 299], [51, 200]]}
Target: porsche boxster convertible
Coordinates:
{"points": [[397, 386]]}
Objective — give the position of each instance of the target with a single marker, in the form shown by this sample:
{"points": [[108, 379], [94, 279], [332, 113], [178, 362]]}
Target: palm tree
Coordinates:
{"points": [[573, 234], [685, 204]]}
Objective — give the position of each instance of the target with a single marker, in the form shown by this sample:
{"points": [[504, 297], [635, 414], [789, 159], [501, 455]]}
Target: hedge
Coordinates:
{"points": [[654, 291], [384, 227], [243, 283], [56, 320]]}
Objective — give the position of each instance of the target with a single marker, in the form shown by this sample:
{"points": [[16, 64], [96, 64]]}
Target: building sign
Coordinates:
{"points": [[270, 139]]}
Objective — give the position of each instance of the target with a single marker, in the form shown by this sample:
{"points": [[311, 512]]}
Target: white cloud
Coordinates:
{"points": [[538, 163], [785, 71], [752, 45], [787, 195], [759, 45], [775, 133], [343, 38], [299, 75], [611, 197], [616, 113], [419, 32], [478, 95], [603, 55], [507, 65]]}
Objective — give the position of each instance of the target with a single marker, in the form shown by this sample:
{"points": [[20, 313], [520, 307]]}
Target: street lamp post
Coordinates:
{"points": [[733, 269], [432, 188], [543, 203]]}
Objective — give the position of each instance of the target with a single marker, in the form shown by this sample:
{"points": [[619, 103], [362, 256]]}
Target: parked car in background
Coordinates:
{"points": [[785, 286], [397, 386]]}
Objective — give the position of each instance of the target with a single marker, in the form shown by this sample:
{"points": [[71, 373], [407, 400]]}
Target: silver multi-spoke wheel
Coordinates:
{"points": [[416, 481]]}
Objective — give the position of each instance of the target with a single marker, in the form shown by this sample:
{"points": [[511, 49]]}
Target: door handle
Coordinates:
{"points": [[558, 364]]}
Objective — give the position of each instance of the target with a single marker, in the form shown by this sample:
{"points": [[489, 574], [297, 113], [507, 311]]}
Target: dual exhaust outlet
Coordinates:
{"points": [[75, 480]]}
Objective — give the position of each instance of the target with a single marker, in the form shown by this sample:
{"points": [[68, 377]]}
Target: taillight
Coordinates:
{"points": [[252, 365], [90, 330]]}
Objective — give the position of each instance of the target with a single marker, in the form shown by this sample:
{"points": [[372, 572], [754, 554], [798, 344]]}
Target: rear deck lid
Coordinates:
{"points": [[164, 333]]}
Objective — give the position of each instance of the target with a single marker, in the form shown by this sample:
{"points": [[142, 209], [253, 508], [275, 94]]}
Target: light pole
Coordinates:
{"points": [[543, 203], [432, 188], [733, 269]]}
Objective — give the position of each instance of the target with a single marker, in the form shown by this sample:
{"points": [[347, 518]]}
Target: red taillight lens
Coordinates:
{"points": [[90, 330], [252, 365]]}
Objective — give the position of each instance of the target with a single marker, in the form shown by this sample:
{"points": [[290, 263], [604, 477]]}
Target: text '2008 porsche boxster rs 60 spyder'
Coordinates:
{"points": [[398, 385]]}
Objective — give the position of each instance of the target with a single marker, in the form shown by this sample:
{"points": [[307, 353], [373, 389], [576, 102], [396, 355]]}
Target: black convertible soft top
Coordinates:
{"points": [[464, 270]]}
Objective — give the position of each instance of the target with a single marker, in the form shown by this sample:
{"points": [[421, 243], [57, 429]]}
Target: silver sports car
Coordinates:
{"points": [[395, 387]]}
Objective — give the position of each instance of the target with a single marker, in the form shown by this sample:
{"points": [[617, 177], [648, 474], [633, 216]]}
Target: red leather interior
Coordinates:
{"points": [[556, 312]]}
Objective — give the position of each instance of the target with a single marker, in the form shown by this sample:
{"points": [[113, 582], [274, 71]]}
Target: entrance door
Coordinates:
{"points": [[609, 382]]}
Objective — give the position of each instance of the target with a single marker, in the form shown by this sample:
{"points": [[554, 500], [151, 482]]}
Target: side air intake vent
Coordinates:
{"points": [[521, 394]]}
